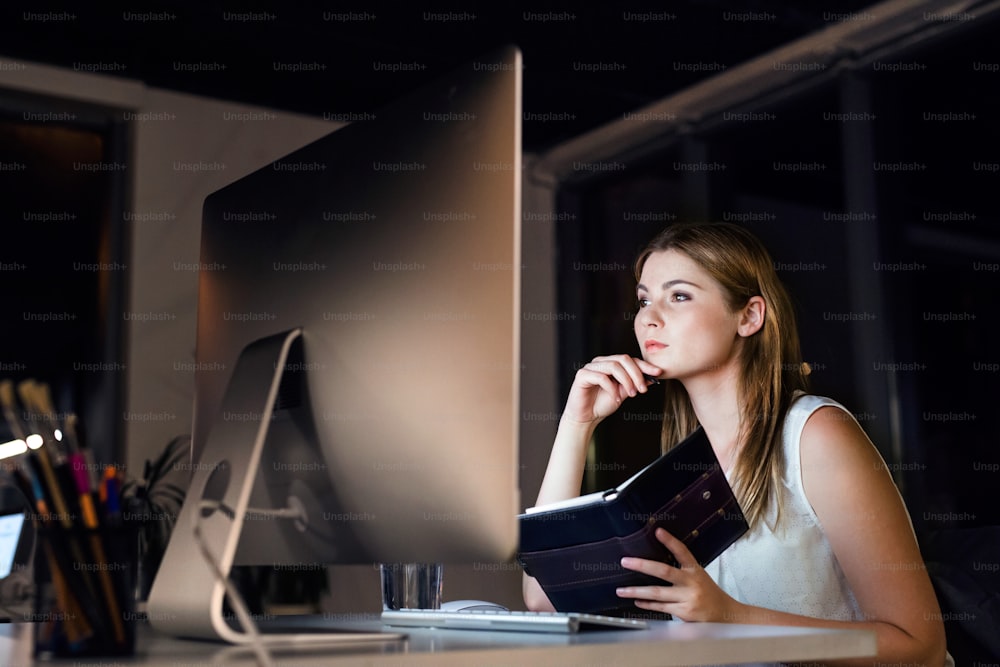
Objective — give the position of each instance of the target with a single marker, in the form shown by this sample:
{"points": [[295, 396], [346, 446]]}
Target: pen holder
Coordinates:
{"points": [[85, 591]]}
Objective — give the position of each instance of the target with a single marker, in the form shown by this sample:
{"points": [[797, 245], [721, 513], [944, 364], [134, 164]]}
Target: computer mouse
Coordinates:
{"points": [[471, 605]]}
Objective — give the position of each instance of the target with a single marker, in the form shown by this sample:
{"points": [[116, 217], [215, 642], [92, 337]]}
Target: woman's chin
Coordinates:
{"points": [[664, 374]]}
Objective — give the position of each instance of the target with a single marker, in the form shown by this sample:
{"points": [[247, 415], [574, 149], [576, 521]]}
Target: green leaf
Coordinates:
{"points": [[175, 451]]}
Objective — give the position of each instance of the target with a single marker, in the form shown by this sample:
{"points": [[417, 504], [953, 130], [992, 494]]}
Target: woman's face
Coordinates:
{"points": [[683, 324]]}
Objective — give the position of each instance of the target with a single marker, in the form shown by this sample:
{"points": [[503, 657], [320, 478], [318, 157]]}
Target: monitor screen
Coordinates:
{"points": [[10, 537], [393, 246]]}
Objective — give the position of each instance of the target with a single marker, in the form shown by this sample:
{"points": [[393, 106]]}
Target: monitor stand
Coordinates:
{"points": [[187, 596]]}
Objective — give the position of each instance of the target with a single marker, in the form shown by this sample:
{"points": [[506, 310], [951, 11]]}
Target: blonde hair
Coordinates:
{"points": [[771, 368]]}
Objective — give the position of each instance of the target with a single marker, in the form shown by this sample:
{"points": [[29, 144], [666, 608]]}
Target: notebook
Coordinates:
{"points": [[574, 548]]}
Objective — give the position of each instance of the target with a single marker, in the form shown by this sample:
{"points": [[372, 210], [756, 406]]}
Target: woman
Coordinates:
{"points": [[830, 543]]}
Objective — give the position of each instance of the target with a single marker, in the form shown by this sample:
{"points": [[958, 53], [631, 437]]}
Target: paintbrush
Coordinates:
{"points": [[10, 409]]}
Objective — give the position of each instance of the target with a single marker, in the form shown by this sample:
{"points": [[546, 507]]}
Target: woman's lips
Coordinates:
{"points": [[653, 345]]}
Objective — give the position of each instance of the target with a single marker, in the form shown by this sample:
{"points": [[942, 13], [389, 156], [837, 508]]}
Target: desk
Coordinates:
{"points": [[665, 644]]}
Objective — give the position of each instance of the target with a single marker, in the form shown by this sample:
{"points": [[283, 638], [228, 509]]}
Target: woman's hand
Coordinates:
{"points": [[601, 386], [694, 596]]}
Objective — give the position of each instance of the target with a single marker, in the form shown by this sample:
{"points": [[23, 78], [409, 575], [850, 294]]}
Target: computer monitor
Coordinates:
{"points": [[357, 355], [11, 538]]}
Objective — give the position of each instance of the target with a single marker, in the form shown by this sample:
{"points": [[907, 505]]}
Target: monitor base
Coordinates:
{"points": [[187, 596]]}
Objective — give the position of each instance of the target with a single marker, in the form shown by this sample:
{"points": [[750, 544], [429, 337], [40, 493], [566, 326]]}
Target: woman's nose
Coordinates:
{"points": [[649, 317]]}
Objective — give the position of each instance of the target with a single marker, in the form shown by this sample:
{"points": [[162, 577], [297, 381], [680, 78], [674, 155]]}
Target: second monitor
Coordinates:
{"points": [[358, 349]]}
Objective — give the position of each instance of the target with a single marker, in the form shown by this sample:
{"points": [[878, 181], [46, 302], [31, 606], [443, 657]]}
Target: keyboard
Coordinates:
{"points": [[518, 621]]}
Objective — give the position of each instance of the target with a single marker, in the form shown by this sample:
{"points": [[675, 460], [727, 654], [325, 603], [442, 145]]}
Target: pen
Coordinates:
{"points": [[112, 495], [78, 443]]}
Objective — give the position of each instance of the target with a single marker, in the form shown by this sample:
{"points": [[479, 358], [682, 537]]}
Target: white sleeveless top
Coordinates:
{"points": [[791, 569]]}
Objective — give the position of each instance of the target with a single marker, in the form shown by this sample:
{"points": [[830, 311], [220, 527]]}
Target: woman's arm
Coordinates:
{"points": [[864, 519], [861, 513], [597, 391], [562, 480]]}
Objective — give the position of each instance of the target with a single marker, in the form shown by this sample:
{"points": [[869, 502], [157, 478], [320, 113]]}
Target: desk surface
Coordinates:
{"points": [[663, 645]]}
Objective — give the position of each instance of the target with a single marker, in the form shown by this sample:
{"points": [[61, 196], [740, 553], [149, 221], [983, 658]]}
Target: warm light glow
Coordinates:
{"points": [[35, 441], [12, 448]]}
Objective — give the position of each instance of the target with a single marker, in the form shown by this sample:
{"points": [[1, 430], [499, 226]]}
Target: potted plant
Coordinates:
{"points": [[152, 504]]}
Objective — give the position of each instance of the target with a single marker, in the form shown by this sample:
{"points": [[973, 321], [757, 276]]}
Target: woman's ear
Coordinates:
{"points": [[752, 316]]}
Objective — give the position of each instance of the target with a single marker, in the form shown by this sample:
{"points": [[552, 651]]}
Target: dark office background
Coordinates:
{"points": [[894, 273], [930, 275]]}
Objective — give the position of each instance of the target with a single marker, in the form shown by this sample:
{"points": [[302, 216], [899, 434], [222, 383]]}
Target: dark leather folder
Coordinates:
{"points": [[574, 548]]}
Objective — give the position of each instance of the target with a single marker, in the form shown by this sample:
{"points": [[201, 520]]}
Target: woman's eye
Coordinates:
{"points": [[680, 296], [642, 303]]}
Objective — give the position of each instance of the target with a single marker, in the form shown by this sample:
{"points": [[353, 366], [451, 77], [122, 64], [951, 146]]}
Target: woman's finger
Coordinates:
{"points": [[681, 553], [653, 568]]}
